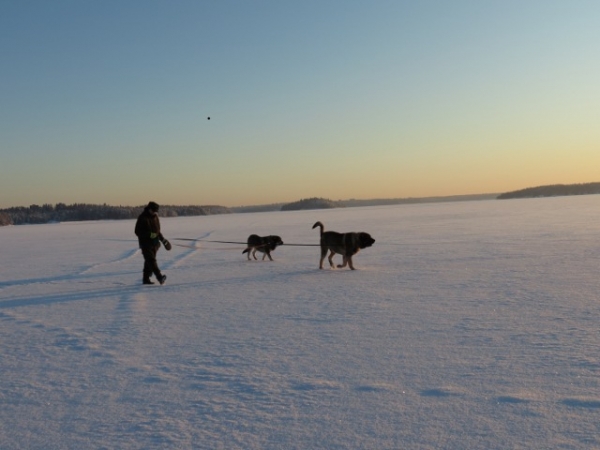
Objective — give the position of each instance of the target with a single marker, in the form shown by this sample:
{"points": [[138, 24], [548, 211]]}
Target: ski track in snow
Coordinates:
{"points": [[129, 254], [467, 325]]}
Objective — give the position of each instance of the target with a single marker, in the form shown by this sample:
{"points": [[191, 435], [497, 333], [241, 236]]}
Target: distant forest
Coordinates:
{"points": [[553, 190], [47, 213], [60, 212], [36, 214], [325, 203], [311, 203]]}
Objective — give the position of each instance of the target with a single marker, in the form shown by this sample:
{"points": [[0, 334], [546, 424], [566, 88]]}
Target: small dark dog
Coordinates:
{"points": [[346, 244], [264, 244]]}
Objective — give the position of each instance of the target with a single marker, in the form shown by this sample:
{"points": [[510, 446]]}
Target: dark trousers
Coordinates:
{"points": [[150, 264]]}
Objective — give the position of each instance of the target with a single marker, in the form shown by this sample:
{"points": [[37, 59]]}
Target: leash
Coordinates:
{"points": [[206, 240], [242, 243]]}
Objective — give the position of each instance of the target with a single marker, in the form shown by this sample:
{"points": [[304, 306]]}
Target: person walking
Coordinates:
{"points": [[147, 229]]}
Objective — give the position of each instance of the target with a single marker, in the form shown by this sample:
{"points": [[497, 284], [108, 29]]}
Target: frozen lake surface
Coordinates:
{"points": [[467, 325]]}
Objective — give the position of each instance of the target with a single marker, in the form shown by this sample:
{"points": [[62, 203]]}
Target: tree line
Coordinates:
{"points": [[553, 190], [312, 203], [47, 213]]}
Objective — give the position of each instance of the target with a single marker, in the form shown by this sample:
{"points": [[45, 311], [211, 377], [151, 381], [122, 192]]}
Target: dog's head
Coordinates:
{"points": [[365, 240], [273, 241]]}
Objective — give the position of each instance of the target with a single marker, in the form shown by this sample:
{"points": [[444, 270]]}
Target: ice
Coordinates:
{"points": [[466, 325]]}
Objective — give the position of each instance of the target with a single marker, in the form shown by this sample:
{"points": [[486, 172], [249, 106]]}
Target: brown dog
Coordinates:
{"points": [[264, 244], [346, 244]]}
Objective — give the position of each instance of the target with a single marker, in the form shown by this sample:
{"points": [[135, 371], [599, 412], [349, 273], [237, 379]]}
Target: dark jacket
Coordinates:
{"points": [[146, 225]]}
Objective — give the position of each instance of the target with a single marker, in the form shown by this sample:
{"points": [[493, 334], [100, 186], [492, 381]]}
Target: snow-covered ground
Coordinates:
{"points": [[471, 325]]}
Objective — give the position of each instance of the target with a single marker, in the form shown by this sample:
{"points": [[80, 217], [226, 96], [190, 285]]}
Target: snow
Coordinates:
{"points": [[466, 325]]}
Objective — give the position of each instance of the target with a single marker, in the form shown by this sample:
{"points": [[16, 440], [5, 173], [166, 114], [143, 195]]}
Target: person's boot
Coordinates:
{"points": [[161, 279], [146, 280]]}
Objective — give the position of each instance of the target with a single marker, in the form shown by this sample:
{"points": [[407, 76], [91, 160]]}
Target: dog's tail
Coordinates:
{"points": [[319, 224], [246, 251]]}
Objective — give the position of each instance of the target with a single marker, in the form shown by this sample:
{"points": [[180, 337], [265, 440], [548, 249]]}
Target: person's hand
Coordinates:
{"points": [[153, 235], [167, 244]]}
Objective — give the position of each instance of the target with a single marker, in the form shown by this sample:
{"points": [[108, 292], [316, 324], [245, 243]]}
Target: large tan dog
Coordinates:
{"points": [[264, 244], [346, 244]]}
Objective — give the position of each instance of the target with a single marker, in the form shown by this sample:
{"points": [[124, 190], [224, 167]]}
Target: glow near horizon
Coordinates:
{"points": [[107, 102]]}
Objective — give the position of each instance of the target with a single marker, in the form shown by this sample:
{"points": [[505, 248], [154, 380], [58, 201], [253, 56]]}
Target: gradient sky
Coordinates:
{"points": [[107, 101]]}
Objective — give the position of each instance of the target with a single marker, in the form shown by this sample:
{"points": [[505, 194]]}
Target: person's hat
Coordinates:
{"points": [[153, 206]]}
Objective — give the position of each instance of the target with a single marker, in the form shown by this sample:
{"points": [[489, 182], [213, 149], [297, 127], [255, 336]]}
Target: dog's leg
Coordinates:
{"points": [[349, 261], [268, 253], [248, 251], [344, 262], [254, 254], [323, 255], [331, 259]]}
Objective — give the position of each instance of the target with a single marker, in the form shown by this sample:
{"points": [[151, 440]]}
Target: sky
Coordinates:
{"points": [[108, 101]]}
